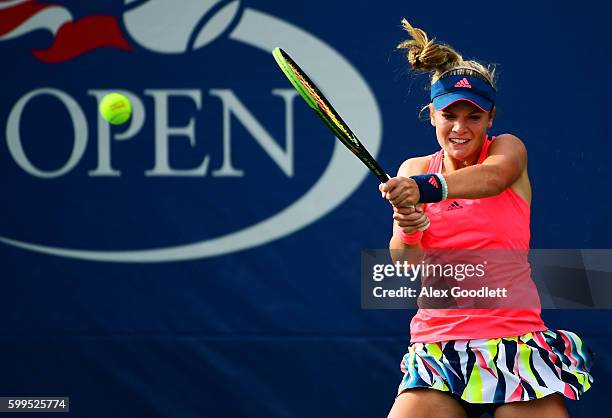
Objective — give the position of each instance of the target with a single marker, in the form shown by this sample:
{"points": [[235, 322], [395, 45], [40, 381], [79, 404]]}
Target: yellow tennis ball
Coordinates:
{"points": [[115, 108]]}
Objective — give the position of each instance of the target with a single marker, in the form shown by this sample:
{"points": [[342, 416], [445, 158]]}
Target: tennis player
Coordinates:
{"points": [[463, 363]]}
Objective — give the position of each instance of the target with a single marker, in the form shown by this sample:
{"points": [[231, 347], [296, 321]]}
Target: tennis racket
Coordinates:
{"points": [[319, 103], [326, 112]]}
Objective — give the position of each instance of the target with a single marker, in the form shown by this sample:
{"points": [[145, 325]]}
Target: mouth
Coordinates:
{"points": [[458, 141]]}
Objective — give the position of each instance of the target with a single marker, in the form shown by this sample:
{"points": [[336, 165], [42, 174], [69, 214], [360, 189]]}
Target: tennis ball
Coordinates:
{"points": [[115, 108]]}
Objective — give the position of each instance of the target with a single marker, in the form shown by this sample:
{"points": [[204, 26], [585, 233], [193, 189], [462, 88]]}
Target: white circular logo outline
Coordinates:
{"points": [[342, 176]]}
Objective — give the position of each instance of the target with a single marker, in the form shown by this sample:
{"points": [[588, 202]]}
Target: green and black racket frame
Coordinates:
{"points": [[323, 108], [319, 103]]}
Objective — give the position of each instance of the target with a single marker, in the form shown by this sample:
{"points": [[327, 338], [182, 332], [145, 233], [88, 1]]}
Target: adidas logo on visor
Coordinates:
{"points": [[463, 83]]}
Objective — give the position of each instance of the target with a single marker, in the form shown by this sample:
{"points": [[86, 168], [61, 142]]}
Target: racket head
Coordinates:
{"points": [[317, 101], [313, 96], [282, 59]]}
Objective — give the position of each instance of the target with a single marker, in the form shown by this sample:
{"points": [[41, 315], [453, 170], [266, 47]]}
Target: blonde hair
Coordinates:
{"points": [[438, 59]]}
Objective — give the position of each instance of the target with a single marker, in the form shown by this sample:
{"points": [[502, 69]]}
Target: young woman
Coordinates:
{"points": [[461, 362]]}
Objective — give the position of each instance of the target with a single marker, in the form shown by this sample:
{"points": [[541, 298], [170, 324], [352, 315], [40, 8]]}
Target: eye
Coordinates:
{"points": [[448, 116], [475, 117]]}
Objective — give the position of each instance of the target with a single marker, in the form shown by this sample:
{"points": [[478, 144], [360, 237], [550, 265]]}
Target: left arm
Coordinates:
{"points": [[503, 166]]}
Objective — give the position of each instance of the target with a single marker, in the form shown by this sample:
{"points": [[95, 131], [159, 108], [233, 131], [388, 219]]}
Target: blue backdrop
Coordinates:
{"points": [[203, 259]]}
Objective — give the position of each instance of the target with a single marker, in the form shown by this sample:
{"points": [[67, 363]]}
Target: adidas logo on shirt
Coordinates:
{"points": [[454, 206]]}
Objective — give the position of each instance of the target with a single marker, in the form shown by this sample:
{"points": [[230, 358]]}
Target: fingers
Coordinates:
{"points": [[403, 195], [400, 191], [408, 214], [390, 184], [420, 225], [406, 210], [424, 221], [390, 189], [397, 194], [413, 220], [412, 223]]}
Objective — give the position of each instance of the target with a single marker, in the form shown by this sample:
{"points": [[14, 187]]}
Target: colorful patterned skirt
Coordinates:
{"points": [[501, 370]]}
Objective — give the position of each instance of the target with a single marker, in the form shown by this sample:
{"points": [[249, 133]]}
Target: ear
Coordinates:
{"points": [[431, 114], [491, 117]]}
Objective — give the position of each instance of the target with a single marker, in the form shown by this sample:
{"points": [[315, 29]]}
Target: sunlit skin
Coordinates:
{"points": [[506, 165], [461, 120], [461, 130], [428, 403]]}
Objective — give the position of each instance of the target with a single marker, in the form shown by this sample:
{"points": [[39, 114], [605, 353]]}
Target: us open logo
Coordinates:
{"points": [[194, 25]]}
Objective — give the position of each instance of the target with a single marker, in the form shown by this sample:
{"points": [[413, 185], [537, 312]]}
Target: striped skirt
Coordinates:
{"points": [[501, 370]]}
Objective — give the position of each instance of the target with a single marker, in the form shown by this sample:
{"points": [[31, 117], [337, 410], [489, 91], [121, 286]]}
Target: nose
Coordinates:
{"points": [[459, 127]]}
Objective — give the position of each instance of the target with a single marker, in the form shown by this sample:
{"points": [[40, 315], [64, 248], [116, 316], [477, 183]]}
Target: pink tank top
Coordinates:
{"points": [[497, 222]]}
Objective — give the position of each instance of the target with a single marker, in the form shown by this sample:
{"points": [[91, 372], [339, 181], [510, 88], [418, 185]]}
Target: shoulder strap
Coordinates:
{"points": [[485, 149], [435, 164]]}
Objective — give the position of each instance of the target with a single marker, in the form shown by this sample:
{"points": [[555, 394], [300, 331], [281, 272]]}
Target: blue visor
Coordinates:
{"points": [[451, 89]]}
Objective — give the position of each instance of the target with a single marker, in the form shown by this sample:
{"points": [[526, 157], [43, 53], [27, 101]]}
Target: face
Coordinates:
{"points": [[461, 129]]}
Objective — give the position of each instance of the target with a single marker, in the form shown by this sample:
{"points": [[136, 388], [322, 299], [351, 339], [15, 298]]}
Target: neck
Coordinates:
{"points": [[452, 164]]}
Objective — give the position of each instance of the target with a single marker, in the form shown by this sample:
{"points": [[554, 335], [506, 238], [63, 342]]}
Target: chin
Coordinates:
{"points": [[459, 154]]}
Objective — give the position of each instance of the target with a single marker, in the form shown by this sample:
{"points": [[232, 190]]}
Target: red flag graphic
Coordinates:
{"points": [[71, 38], [12, 17], [86, 34]]}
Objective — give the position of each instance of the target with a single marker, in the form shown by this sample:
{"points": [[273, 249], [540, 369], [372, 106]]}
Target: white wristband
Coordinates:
{"points": [[444, 186]]}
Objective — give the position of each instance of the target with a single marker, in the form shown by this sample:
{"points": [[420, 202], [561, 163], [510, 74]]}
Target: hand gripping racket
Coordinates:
{"points": [[323, 108]]}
